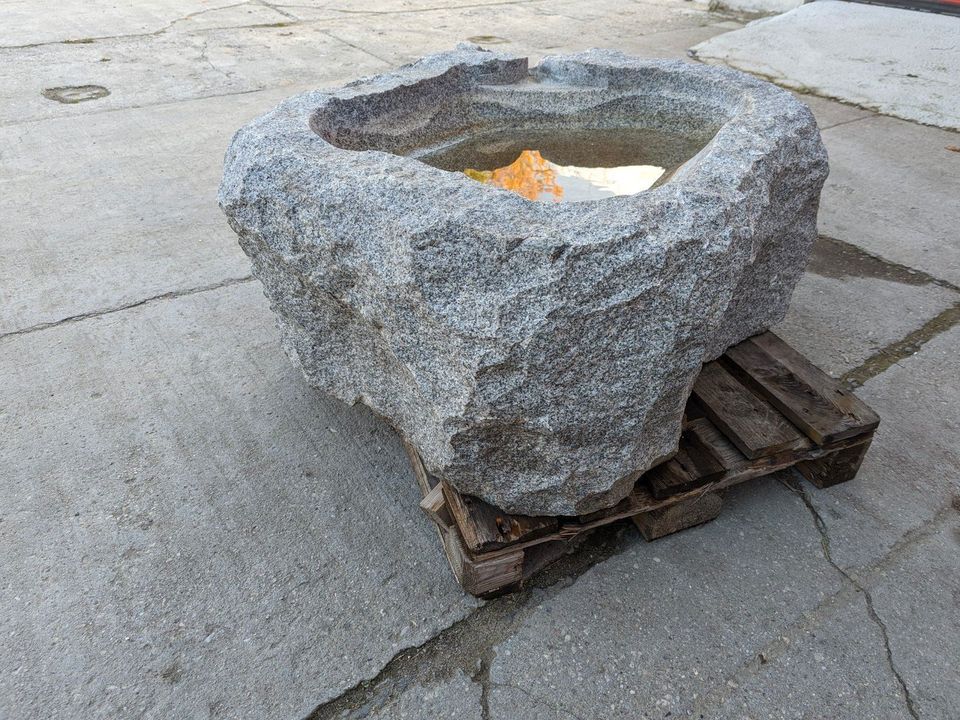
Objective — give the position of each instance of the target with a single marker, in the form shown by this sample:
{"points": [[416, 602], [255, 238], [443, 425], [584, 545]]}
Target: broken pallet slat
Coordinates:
{"points": [[435, 506], [485, 527], [807, 396], [481, 576], [485, 575], [752, 424]]}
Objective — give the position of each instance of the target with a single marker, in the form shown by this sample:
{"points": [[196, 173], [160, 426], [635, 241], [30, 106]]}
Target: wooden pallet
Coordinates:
{"points": [[760, 408]]}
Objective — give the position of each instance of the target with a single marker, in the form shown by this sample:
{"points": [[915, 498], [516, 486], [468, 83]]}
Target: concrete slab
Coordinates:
{"points": [[650, 631], [138, 71], [76, 22], [837, 669], [537, 29], [912, 471], [187, 530], [248, 47], [110, 209], [454, 698], [897, 62], [840, 312], [892, 191], [917, 601]]}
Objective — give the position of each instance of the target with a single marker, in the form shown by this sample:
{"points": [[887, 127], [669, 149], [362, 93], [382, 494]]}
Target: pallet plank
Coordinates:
{"points": [[656, 524], [424, 481], [753, 425], [486, 528], [835, 468], [726, 452], [844, 400], [695, 464], [482, 576], [807, 396]]}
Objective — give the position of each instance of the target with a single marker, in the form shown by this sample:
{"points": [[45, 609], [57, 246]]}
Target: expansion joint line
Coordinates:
{"points": [[903, 348]]}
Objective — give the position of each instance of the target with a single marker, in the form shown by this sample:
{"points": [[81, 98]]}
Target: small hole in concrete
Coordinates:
{"points": [[70, 94]]}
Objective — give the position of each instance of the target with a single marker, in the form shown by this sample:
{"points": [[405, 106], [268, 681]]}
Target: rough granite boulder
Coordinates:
{"points": [[538, 355]]}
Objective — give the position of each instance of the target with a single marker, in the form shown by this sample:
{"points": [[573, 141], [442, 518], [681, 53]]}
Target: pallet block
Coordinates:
{"points": [[760, 408]]}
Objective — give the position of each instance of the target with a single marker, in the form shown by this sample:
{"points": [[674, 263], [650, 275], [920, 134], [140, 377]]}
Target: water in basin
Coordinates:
{"points": [[568, 165]]}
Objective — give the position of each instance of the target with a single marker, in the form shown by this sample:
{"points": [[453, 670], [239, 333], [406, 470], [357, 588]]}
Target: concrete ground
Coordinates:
{"points": [[188, 531], [898, 62]]}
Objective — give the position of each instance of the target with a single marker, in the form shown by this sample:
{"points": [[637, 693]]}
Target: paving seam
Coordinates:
{"points": [[898, 350], [128, 306]]}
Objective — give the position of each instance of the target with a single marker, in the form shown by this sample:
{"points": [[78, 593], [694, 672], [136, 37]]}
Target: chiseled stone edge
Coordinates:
{"points": [[762, 120]]}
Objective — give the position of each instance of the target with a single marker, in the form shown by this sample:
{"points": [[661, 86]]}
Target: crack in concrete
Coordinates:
{"points": [[457, 647], [159, 31], [824, 128], [852, 586], [860, 588], [908, 700], [203, 58], [127, 306], [276, 9], [470, 644], [384, 60]]}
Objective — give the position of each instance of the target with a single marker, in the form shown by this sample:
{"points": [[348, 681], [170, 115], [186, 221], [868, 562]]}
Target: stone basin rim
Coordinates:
{"points": [[751, 124], [749, 128]]}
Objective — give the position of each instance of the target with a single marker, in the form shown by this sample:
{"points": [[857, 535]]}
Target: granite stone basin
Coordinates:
{"points": [[538, 354]]}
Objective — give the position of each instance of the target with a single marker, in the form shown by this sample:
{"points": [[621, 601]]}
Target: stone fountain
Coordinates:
{"points": [[537, 354]]}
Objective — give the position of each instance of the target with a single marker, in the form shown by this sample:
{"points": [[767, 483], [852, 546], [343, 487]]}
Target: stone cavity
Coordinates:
{"points": [[538, 355]]}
